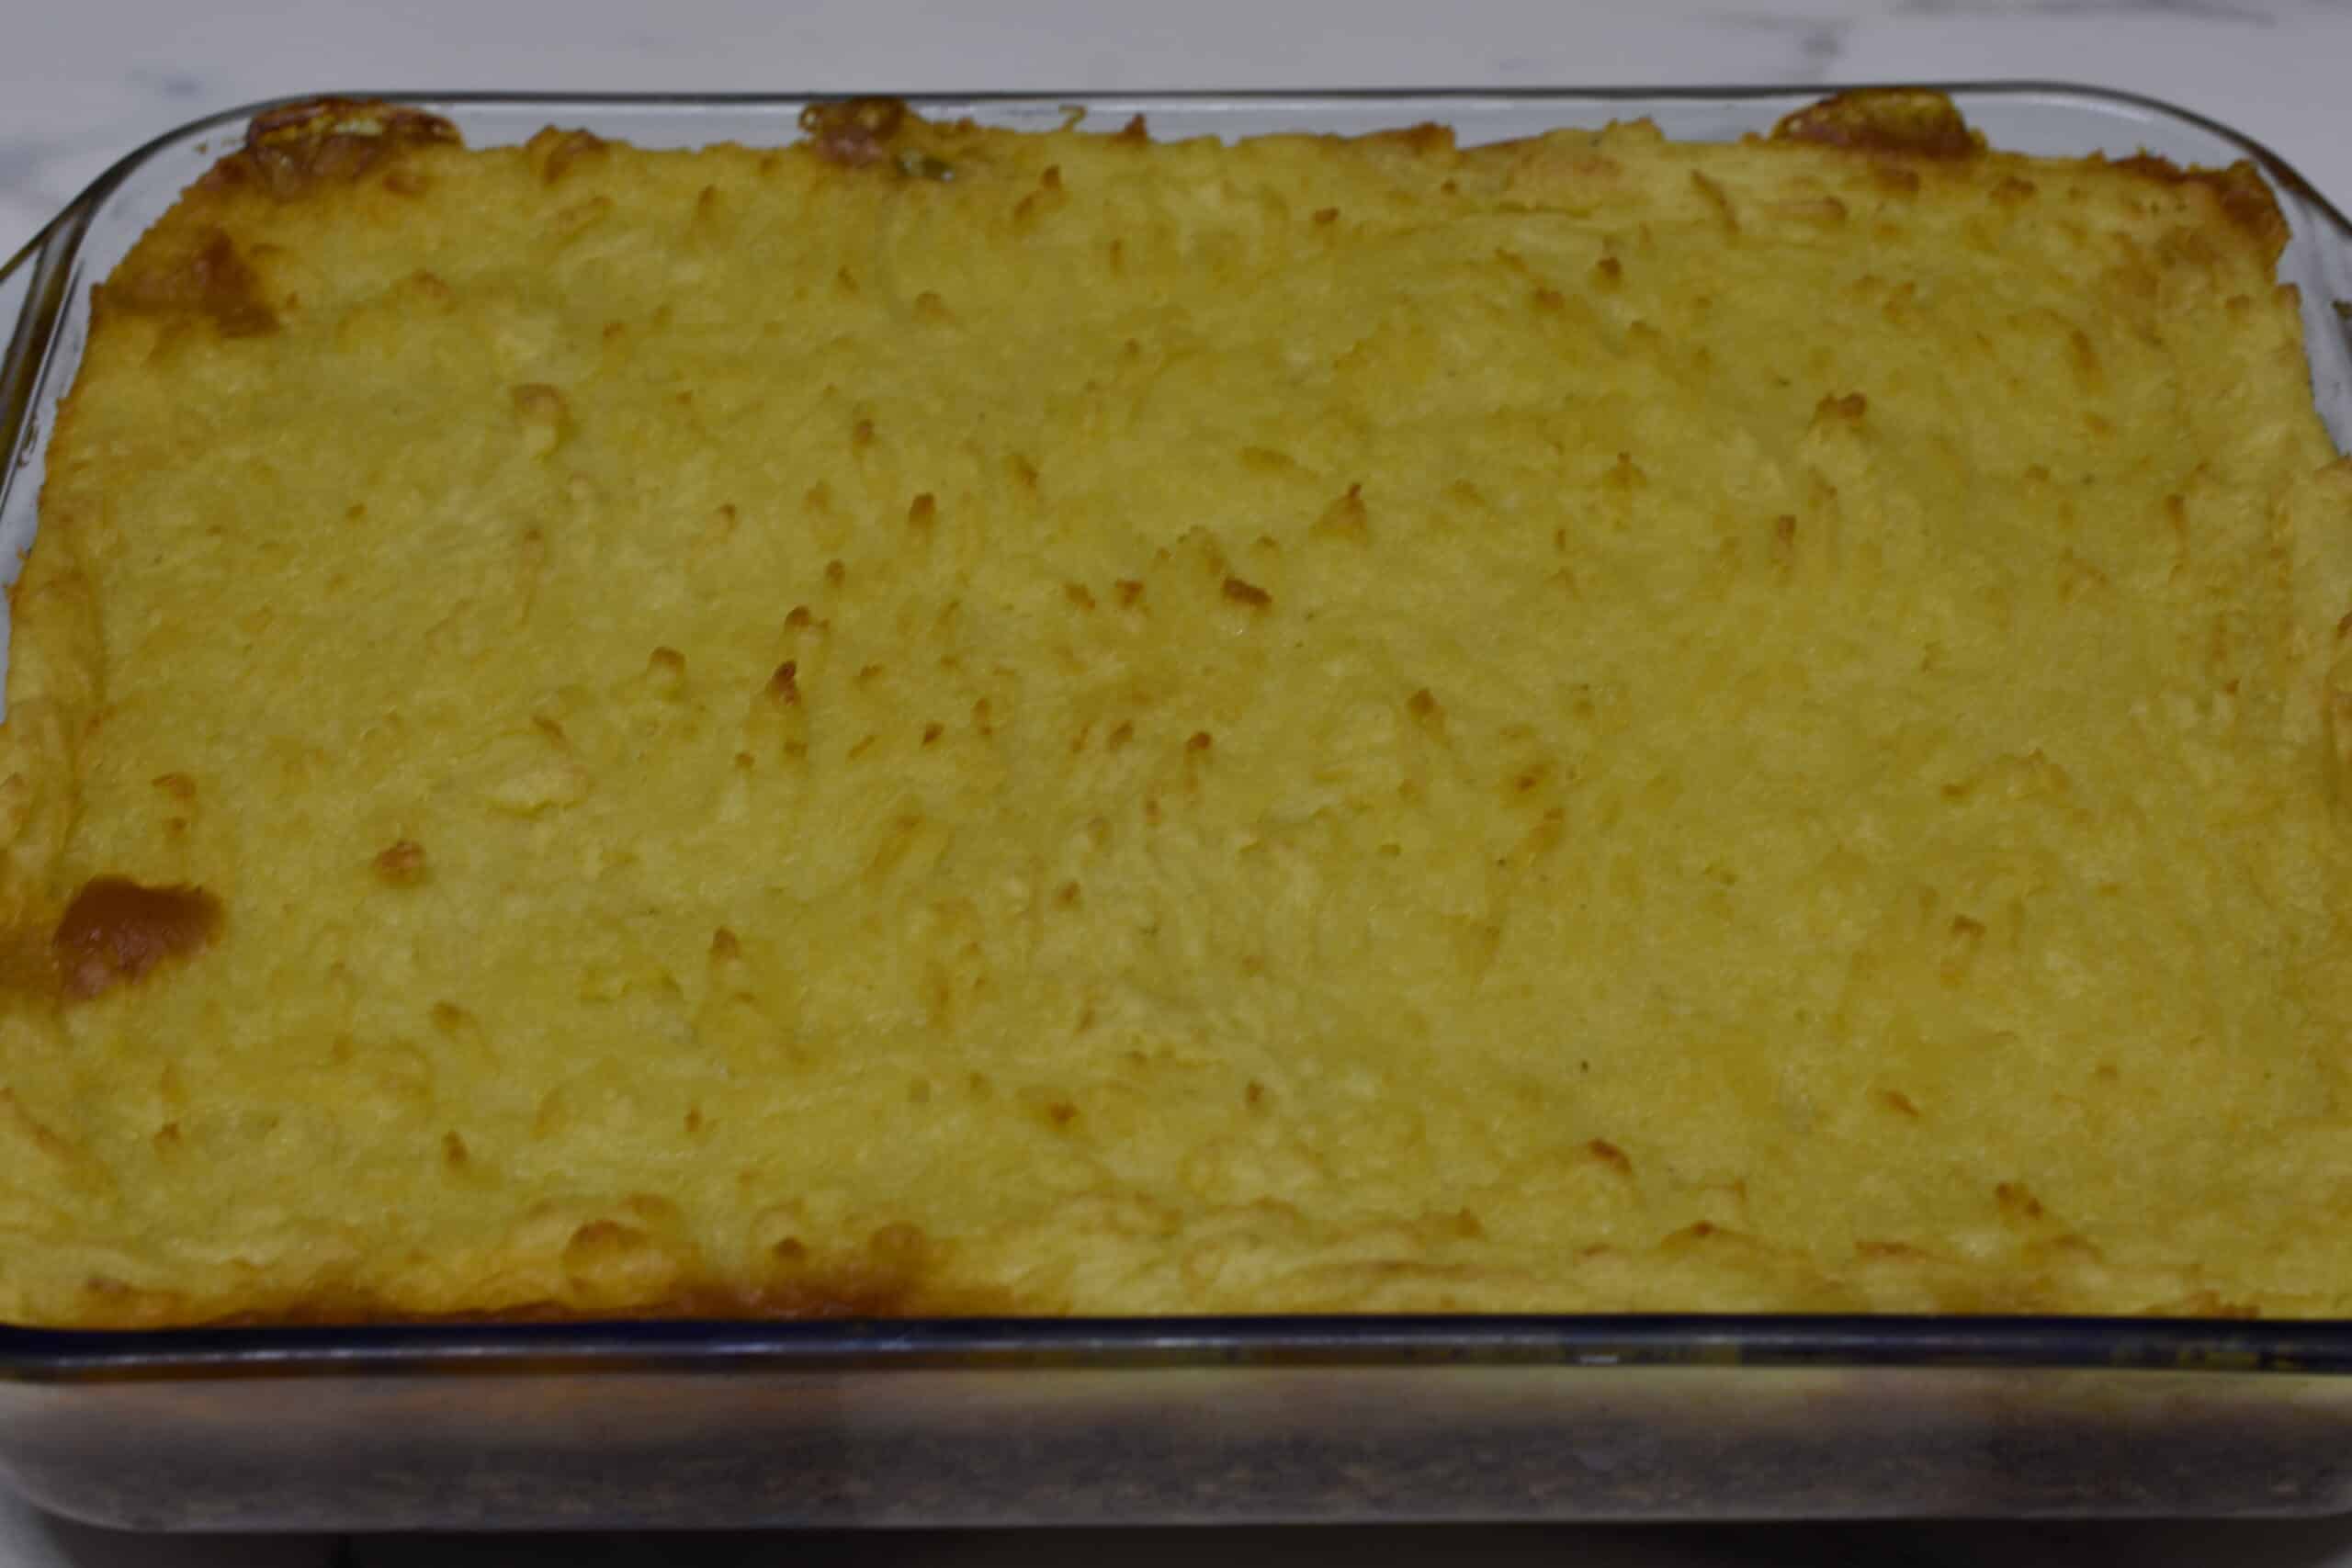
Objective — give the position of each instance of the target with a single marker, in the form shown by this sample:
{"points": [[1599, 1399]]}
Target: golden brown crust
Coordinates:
{"points": [[853, 132], [293, 150], [1911, 121], [205, 275], [400, 863], [192, 267], [2240, 189], [558, 151], [892, 1276], [1907, 123]]}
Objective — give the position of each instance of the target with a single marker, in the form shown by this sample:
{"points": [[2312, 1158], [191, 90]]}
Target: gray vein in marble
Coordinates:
{"points": [[2194, 10], [24, 159], [1818, 43], [172, 86], [29, 165]]}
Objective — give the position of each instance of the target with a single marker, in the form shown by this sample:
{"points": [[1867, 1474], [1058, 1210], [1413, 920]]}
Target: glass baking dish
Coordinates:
{"points": [[973, 1422]]}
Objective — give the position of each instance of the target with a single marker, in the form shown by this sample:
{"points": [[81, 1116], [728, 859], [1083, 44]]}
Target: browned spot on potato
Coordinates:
{"points": [[1248, 594], [1907, 120], [2241, 192], [210, 278], [117, 931], [2017, 1202], [402, 862], [1422, 140], [291, 150], [853, 132], [1345, 518]]}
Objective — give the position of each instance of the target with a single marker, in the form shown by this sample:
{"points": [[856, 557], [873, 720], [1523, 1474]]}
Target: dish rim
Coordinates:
{"points": [[30, 1355], [1745, 1341], [2271, 162]]}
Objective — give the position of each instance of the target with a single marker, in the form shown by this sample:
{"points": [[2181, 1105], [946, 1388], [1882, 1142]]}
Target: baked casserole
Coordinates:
{"points": [[945, 720]]}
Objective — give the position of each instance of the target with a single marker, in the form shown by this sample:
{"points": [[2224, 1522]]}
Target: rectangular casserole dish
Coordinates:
{"points": [[1207, 1420]]}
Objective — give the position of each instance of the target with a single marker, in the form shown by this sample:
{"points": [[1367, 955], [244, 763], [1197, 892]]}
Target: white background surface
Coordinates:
{"points": [[83, 81]]}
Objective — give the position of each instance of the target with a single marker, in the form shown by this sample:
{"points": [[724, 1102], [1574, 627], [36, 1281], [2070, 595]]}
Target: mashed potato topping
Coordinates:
{"points": [[946, 719]]}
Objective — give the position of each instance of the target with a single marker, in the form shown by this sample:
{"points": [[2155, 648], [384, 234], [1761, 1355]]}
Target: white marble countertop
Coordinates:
{"points": [[86, 80]]}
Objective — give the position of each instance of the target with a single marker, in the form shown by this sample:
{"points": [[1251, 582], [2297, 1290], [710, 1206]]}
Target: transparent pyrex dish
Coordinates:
{"points": [[1171, 1419]]}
